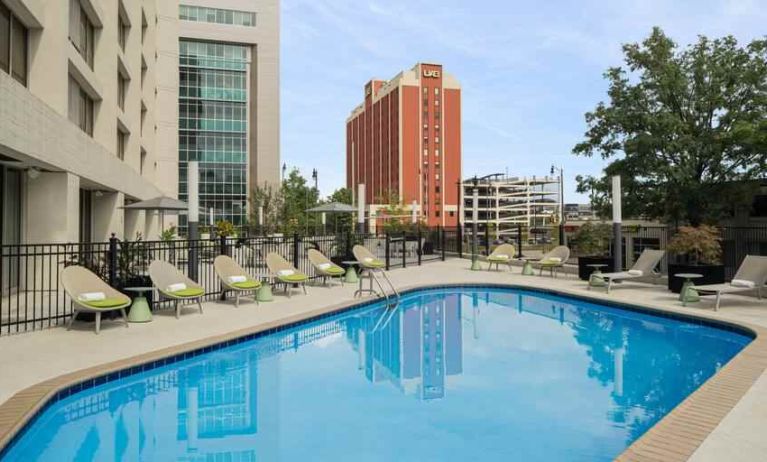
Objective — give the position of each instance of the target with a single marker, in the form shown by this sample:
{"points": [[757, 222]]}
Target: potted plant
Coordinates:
{"points": [[592, 243], [695, 249], [204, 232]]}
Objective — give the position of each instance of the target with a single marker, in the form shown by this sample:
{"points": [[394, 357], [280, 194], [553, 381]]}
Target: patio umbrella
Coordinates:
{"points": [[161, 204], [334, 208]]}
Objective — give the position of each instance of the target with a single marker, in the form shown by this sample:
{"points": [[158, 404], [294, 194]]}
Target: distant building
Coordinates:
{"points": [[579, 212], [507, 202], [404, 140]]}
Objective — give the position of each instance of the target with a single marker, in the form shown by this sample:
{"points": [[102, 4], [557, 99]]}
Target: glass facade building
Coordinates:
{"points": [[213, 127]]}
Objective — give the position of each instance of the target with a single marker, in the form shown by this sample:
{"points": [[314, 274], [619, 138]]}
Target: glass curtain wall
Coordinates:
{"points": [[213, 127]]}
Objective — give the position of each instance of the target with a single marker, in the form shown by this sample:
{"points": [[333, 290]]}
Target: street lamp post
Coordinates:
{"points": [[561, 203], [284, 169]]}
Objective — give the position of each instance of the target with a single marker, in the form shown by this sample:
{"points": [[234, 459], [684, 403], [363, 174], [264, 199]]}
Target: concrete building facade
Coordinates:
{"points": [[404, 142], [89, 111]]}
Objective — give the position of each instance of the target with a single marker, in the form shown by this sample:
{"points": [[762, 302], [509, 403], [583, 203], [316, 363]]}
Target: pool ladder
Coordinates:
{"points": [[392, 300]]}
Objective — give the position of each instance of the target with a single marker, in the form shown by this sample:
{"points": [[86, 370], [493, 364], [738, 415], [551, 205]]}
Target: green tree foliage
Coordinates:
{"points": [[684, 128], [341, 222], [270, 200]]}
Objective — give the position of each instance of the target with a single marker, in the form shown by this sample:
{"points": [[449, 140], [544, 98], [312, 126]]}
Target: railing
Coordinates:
{"points": [[32, 298]]}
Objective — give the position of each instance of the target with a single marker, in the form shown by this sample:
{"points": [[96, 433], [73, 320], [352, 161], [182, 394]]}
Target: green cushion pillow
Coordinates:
{"points": [[335, 270], [188, 292], [295, 277], [250, 284], [105, 303]]}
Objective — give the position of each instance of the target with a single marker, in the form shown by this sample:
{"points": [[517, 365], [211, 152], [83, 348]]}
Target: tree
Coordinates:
{"points": [[269, 200], [297, 198], [342, 222], [686, 128]]}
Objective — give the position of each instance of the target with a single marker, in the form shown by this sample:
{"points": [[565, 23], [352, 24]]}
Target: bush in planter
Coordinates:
{"points": [[696, 249], [591, 242]]}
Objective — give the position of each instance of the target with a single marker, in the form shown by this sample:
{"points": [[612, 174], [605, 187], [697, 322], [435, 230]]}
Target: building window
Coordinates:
{"points": [[122, 28], [122, 88], [436, 152], [436, 189], [436, 90], [217, 16], [144, 25], [436, 213], [13, 45], [425, 152], [425, 90], [436, 102], [81, 32], [451, 213], [80, 107], [122, 140], [436, 139]]}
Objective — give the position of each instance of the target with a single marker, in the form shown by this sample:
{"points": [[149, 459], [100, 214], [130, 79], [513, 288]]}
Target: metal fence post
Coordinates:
{"points": [[404, 249], [441, 232], [222, 250], [459, 239], [113, 260], [295, 250], [487, 239], [419, 248], [387, 249], [519, 241]]}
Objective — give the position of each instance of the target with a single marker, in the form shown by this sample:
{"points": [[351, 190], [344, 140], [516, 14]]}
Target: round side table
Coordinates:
{"points": [[527, 268], [264, 293], [595, 279], [139, 309], [688, 294], [351, 274]]}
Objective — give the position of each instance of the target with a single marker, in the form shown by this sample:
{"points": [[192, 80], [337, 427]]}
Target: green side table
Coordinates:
{"points": [[351, 274], [595, 279], [527, 268], [688, 294], [264, 293], [139, 309]]}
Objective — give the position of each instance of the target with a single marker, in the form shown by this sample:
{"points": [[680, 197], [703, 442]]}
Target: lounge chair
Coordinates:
{"points": [[643, 267], [751, 276], [284, 272], [370, 265], [90, 294], [173, 285], [324, 267], [502, 255], [235, 279], [554, 260]]}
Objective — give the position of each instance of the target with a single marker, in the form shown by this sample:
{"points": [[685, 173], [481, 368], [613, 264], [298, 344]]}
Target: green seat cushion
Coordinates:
{"points": [[376, 263], [498, 259], [295, 277], [250, 284], [335, 270], [188, 292], [550, 262], [105, 303]]}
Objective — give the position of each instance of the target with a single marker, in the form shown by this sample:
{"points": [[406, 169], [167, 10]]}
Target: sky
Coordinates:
{"points": [[529, 71]]}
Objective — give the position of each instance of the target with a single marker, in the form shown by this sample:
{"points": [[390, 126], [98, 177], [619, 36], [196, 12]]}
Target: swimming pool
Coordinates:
{"points": [[452, 374]]}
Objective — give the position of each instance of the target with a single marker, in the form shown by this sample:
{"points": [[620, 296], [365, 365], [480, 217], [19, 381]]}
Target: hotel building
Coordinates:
{"points": [[404, 141], [90, 111], [228, 102]]}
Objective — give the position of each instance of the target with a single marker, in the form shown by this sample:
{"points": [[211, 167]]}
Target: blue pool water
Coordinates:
{"points": [[453, 374]]}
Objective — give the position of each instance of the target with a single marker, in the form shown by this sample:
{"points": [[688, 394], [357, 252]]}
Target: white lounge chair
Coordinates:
{"points": [[235, 279], [502, 255], [751, 276], [173, 285], [90, 294], [643, 267], [554, 260]]}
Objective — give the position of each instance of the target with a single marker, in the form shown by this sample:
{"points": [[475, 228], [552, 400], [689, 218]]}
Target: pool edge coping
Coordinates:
{"points": [[673, 438]]}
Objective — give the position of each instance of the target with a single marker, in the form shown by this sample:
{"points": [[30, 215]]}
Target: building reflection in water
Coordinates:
{"points": [[415, 348]]}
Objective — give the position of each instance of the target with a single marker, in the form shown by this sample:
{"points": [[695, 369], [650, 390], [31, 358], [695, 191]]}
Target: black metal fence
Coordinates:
{"points": [[31, 296]]}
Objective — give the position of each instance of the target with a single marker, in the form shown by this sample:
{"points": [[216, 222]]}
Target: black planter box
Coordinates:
{"points": [[712, 274], [584, 271]]}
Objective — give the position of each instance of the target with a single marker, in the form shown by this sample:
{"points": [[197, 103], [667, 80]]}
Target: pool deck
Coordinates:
{"points": [[724, 419]]}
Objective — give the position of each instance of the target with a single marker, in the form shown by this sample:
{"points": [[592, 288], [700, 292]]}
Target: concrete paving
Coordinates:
{"points": [[29, 358]]}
